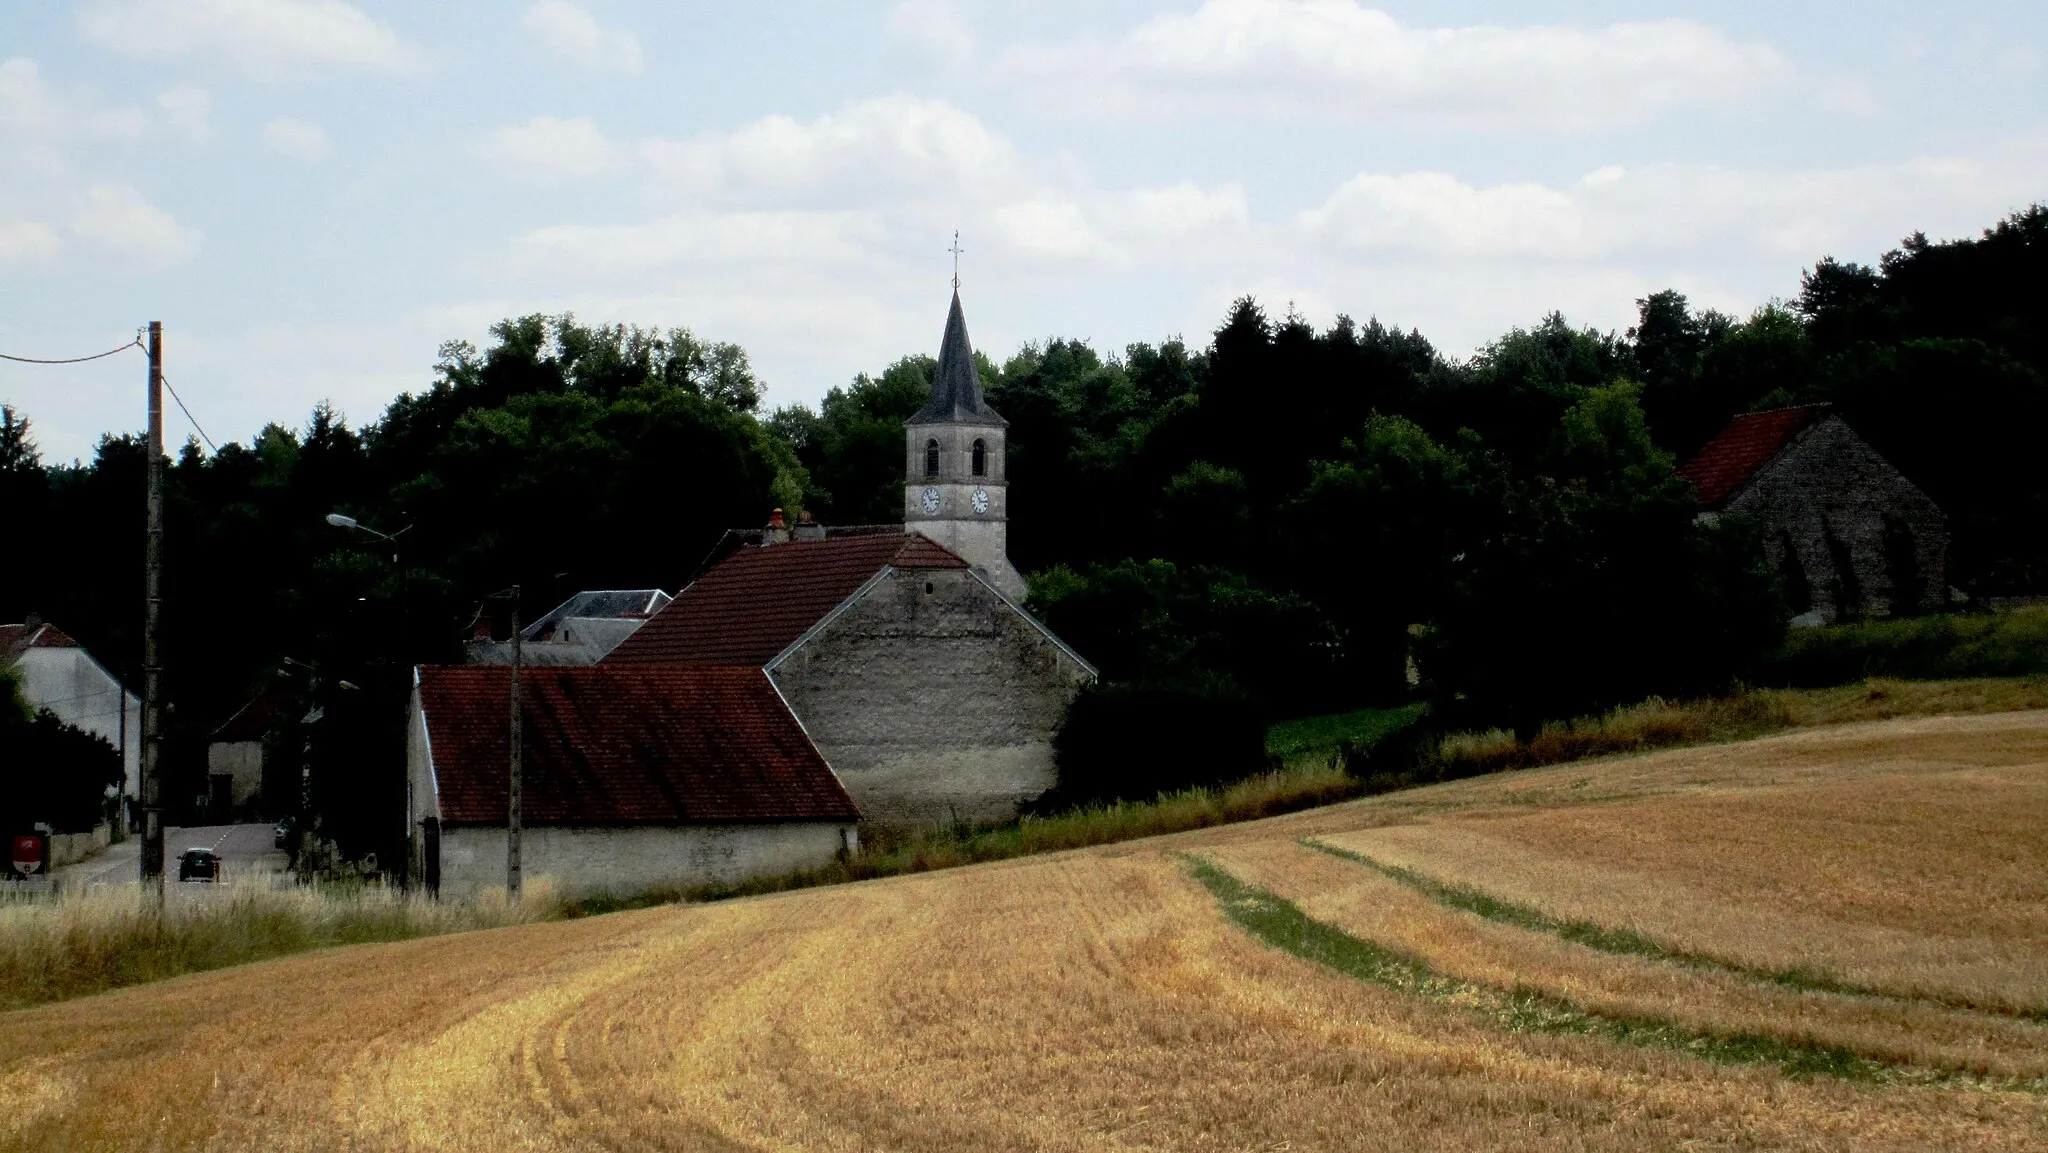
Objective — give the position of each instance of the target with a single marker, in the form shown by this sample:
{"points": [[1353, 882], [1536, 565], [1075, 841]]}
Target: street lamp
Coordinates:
{"points": [[340, 521]]}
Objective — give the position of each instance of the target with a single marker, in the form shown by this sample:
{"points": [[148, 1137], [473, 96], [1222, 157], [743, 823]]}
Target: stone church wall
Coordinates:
{"points": [[1855, 525], [933, 699]]}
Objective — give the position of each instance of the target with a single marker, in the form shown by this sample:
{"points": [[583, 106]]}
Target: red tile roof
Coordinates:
{"points": [[17, 639], [752, 604], [1738, 452], [252, 721], [633, 745]]}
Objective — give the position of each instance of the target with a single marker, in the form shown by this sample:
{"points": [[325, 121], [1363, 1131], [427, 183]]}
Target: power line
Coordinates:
{"points": [[136, 343], [188, 413]]}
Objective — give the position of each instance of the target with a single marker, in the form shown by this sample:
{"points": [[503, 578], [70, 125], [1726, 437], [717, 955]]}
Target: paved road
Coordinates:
{"points": [[243, 849]]}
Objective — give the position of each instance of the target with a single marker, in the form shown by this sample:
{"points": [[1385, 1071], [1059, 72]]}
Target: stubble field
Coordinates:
{"points": [[1833, 939]]}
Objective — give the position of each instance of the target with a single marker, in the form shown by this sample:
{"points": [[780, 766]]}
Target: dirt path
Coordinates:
{"points": [[1100, 1000]]}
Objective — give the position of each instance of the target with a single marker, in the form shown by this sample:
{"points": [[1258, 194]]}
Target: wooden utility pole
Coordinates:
{"points": [[512, 878], [152, 654]]}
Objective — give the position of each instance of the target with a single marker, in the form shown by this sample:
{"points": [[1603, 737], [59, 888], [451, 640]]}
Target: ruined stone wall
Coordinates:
{"points": [[1852, 522], [933, 699]]}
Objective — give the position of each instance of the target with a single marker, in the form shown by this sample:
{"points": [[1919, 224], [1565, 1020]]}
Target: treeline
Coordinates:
{"points": [[1294, 517]]}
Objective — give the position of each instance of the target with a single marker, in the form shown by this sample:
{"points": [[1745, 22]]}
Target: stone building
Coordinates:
{"points": [[1850, 534], [635, 777], [931, 694], [956, 488], [901, 648]]}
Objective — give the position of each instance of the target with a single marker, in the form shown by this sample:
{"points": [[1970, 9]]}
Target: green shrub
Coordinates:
{"points": [[1945, 647]]}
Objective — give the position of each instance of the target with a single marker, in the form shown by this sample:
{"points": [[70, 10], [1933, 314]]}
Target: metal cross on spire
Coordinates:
{"points": [[956, 250]]}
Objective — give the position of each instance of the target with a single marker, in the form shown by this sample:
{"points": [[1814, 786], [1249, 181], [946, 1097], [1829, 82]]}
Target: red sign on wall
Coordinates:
{"points": [[28, 854]]}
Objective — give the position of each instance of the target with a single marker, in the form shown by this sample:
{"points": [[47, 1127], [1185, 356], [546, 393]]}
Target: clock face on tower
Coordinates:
{"points": [[931, 500], [980, 501]]}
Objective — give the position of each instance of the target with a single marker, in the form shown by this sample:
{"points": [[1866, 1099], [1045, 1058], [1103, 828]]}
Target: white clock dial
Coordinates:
{"points": [[980, 501], [931, 500]]}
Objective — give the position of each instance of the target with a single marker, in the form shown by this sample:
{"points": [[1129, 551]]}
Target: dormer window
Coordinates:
{"points": [[931, 457], [980, 458]]}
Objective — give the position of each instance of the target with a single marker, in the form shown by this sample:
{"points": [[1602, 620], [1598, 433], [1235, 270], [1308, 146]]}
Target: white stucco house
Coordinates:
{"points": [[635, 778], [57, 674]]}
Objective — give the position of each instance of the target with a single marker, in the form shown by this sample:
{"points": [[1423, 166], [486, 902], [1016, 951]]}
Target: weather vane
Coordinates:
{"points": [[956, 250]]}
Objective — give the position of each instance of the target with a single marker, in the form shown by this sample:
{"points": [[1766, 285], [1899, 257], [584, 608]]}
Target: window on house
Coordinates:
{"points": [[980, 459], [931, 458]]}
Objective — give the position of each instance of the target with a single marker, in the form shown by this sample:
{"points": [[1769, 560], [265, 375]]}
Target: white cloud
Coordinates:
{"points": [[880, 149], [932, 33], [115, 219], [32, 111], [575, 35], [189, 110], [28, 242], [296, 138], [548, 148], [1849, 96], [267, 39], [1334, 60]]}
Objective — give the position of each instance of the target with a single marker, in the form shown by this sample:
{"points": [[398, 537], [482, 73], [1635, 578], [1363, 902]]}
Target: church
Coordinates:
{"points": [[811, 681]]}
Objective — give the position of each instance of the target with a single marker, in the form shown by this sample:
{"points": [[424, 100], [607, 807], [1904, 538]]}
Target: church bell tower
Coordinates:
{"points": [[955, 488]]}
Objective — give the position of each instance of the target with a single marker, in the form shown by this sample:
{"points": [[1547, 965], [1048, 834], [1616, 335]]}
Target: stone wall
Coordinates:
{"points": [[243, 761], [632, 860], [1854, 525], [933, 699]]}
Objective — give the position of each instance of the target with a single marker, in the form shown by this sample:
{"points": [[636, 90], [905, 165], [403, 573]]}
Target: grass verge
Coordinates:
{"points": [[1660, 724], [1628, 943], [55, 948], [2012, 644], [1280, 923]]}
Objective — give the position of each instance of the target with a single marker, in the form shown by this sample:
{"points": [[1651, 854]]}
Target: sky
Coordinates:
{"points": [[314, 195]]}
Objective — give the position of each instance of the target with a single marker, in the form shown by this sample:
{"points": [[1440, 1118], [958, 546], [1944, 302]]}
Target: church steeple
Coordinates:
{"points": [[956, 385], [955, 486]]}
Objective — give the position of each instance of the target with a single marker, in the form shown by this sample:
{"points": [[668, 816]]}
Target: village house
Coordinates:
{"points": [[56, 673], [234, 757], [634, 778], [1848, 532], [579, 631]]}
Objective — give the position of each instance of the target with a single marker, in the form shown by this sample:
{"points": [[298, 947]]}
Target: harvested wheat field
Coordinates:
{"points": [[1827, 940]]}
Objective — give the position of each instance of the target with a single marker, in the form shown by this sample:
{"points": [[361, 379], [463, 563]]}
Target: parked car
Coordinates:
{"points": [[198, 865]]}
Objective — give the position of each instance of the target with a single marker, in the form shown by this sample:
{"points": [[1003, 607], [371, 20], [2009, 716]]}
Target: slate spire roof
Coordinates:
{"points": [[1741, 450], [956, 386]]}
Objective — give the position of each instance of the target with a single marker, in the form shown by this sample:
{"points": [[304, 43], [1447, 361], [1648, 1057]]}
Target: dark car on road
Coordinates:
{"points": [[198, 865]]}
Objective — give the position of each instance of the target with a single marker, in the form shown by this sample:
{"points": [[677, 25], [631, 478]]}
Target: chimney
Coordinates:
{"points": [[807, 528], [777, 531]]}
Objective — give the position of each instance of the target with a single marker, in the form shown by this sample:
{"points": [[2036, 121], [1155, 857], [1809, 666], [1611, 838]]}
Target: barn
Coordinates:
{"points": [[1849, 534], [634, 778]]}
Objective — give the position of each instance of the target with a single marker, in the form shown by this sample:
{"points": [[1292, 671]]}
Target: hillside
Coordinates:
{"points": [[1835, 938]]}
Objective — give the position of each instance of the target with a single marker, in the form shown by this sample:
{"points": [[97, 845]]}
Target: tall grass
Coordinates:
{"points": [[103, 937]]}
